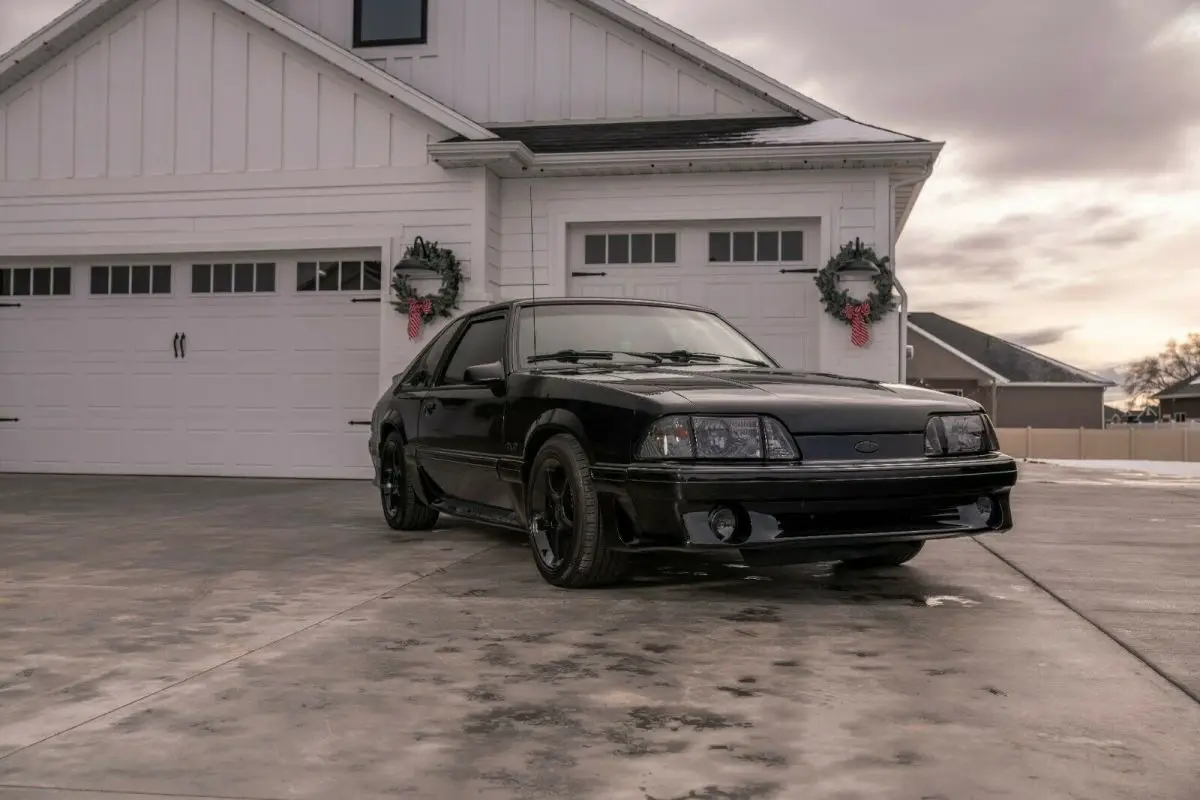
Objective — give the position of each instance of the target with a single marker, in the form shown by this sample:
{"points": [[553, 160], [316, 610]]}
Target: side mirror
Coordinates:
{"points": [[489, 374]]}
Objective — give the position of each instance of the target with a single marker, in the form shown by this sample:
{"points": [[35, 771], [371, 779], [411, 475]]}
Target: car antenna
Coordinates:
{"points": [[532, 270]]}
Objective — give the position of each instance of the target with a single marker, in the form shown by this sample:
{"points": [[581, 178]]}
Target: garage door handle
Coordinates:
{"points": [[175, 346], [182, 349], [808, 270], [10, 305], [589, 274], [360, 422], [9, 419]]}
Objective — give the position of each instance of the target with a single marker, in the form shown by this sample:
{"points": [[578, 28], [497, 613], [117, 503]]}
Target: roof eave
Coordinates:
{"points": [[451, 155], [1063, 384]]}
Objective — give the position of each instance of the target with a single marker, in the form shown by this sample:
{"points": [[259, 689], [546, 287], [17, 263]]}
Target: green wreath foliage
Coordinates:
{"points": [[436, 259], [835, 299]]}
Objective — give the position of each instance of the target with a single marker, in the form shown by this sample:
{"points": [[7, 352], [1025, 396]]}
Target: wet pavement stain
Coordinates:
{"points": [[752, 791]]}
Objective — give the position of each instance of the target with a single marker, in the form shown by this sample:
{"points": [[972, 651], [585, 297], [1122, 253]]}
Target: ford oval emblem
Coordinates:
{"points": [[866, 446]]}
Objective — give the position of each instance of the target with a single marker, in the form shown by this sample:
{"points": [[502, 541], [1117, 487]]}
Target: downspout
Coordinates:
{"points": [[892, 237]]}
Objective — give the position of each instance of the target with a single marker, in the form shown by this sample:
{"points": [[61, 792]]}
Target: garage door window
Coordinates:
{"points": [[755, 247], [338, 276], [140, 279], [629, 248], [34, 281], [245, 278]]}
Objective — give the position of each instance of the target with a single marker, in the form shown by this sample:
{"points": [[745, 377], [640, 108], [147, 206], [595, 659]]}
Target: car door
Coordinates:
{"points": [[407, 394], [460, 426]]}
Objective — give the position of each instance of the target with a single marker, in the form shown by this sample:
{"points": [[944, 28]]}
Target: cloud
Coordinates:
{"points": [[1033, 88], [1039, 337]]}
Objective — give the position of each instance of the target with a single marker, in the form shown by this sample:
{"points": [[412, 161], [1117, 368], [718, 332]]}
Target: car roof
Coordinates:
{"points": [[527, 302]]}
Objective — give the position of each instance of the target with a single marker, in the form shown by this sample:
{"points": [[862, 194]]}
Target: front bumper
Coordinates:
{"points": [[817, 505]]}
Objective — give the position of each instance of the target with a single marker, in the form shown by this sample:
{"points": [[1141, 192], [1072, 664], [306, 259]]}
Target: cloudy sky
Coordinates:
{"points": [[1065, 212]]}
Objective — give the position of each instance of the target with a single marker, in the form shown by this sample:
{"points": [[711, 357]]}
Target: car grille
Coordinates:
{"points": [[860, 447], [797, 525]]}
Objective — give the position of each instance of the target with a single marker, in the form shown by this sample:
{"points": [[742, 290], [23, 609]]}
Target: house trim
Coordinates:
{"points": [[991, 373], [1060, 384], [708, 57], [1091, 378], [514, 159], [54, 39]]}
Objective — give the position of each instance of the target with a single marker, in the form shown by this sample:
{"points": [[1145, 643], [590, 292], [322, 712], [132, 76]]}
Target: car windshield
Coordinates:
{"points": [[627, 333]]}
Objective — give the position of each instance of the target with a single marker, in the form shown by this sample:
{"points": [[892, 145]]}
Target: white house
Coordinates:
{"points": [[200, 201]]}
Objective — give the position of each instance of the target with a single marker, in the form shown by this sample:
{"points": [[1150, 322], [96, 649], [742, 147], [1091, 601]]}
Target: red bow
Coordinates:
{"points": [[858, 313], [417, 309]]}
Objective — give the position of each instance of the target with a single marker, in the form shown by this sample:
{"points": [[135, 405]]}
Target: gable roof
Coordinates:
{"points": [[742, 75], [87, 15], [1186, 388], [1007, 361]]}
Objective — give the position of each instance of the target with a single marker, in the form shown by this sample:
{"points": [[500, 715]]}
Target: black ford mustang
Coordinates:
{"points": [[605, 428]]}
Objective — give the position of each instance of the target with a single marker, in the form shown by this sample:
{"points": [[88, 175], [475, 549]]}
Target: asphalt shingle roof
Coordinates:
{"points": [[1016, 363], [1188, 387], [686, 134]]}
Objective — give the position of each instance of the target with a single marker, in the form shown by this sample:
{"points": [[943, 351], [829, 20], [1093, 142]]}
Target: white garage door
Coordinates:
{"points": [[236, 366], [746, 272]]}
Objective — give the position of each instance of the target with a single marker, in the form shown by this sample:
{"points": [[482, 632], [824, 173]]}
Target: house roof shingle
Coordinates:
{"points": [[689, 134], [1014, 362], [1188, 387]]}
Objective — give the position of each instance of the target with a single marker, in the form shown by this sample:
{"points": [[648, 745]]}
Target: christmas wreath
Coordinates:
{"points": [[839, 304], [423, 308]]}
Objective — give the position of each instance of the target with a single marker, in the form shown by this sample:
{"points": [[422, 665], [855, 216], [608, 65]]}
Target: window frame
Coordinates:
{"points": [[131, 265], [757, 232], [629, 262], [254, 292], [318, 291], [11, 284], [360, 42], [417, 367], [440, 375]]}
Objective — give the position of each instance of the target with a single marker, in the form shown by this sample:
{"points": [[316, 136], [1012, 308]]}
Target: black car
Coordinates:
{"points": [[606, 428]]}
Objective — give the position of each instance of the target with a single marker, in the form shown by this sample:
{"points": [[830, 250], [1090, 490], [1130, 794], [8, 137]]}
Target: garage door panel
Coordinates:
{"points": [[98, 387]]}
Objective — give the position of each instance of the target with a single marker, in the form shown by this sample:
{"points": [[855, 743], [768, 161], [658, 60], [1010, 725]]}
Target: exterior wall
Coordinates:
{"points": [[848, 204], [1185, 405], [498, 61], [189, 87], [932, 362], [1049, 407]]}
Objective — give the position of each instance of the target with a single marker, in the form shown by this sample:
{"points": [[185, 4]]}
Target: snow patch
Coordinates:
{"points": [[1178, 469], [942, 599], [826, 131]]}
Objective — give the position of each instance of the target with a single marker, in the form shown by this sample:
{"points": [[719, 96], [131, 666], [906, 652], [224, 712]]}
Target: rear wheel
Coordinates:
{"points": [[402, 509], [566, 531], [887, 555]]}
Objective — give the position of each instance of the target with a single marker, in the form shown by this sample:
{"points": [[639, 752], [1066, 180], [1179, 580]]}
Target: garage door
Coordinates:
{"points": [[232, 366], [756, 276]]}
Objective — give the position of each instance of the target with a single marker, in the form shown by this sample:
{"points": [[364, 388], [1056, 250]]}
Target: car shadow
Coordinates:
{"points": [[715, 577]]}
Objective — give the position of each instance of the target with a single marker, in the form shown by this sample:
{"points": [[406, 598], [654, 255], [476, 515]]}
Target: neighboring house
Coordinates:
{"points": [[200, 201], [1180, 402], [1019, 387]]}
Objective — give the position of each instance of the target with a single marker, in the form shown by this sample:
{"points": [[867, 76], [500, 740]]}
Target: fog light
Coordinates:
{"points": [[984, 504], [723, 522]]}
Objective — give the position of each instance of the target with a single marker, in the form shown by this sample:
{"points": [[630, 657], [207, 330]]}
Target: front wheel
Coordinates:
{"points": [[887, 555], [402, 509], [566, 531]]}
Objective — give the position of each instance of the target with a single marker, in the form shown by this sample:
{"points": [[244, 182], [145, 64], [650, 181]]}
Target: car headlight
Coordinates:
{"points": [[958, 435], [697, 437]]}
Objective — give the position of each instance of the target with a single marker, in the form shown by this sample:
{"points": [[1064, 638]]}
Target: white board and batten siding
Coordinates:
{"points": [[509, 61], [781, 311], [182, 127]]}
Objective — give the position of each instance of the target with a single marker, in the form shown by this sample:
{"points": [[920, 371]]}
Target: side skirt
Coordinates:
{"points": [[487, 515]]}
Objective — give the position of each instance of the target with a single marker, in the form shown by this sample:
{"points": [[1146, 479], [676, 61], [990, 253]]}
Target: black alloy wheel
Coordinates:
{"points": [[402, 509]]}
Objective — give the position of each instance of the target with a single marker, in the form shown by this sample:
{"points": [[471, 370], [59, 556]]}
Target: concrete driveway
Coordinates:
{"points": [[272, 639]]}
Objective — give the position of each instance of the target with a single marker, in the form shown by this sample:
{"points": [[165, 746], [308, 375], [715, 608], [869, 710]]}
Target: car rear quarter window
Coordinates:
{"points": [[420, 374], [481, 343]]}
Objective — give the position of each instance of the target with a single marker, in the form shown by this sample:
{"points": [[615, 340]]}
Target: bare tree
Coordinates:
{"points": [[1178, 360]]}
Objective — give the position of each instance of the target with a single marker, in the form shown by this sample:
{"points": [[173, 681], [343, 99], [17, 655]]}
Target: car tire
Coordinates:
{"points": [[402, 509], [887, 555], [584, 559]]}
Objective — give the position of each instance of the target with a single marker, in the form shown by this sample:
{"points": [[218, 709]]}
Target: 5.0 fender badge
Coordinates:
{"points": [[866, 446]]}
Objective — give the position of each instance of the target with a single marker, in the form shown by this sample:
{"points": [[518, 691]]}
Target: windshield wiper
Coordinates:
{"points": [[689, 355], [590, 355]]}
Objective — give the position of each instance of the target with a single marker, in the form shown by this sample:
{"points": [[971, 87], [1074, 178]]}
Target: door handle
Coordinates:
{"points": [[175, 345], [182, 349], [430, 406]]}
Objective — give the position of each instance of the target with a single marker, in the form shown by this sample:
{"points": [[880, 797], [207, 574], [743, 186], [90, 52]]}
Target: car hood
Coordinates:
{"points": [[805, 402]]}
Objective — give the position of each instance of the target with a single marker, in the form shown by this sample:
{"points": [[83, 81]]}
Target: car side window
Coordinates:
{"points": [[481, 343], [420, 374]]}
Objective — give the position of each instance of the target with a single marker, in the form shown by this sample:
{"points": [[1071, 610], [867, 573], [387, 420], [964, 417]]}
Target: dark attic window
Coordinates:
{"points": [[385, 23]]}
